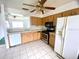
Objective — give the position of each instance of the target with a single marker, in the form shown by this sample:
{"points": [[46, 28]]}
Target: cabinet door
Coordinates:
{"points": [[39, 35], [39, 21], [36, 21], [35, 36], [44, 20], [33, 21], [27, 37], [67, 13], [15, 39], [52, 39]]}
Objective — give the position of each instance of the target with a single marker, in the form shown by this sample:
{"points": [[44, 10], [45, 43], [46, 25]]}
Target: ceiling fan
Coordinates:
{"points": [[40, 6]]}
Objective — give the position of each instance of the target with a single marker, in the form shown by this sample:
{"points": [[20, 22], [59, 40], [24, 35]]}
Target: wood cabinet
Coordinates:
{"points": [[30, 36], [33, 21], [40, 22], [48, 19], [26, 37], [39, 35], [36, 35], [36, 21], [45, 19], [67, 13], [52, 39], [53, 18], [75, 11]]}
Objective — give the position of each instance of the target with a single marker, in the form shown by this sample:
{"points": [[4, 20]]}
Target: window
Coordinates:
{"points": [[20, 23], [17, 24]]}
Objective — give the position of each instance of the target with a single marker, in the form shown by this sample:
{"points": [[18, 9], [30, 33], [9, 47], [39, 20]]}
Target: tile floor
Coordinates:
{"points": [[33, 50]]}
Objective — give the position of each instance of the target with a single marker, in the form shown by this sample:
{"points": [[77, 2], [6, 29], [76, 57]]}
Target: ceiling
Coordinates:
{"points": [[17, 4]]}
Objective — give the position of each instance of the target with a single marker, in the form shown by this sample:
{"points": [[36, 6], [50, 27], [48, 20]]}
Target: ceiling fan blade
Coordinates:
{"points": [[51, 8], [33, 10], [29, 5], [25, 9], [42, 1], [42, 11]]}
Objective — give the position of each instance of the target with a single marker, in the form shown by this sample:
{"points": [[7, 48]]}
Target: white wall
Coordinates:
{"points": [[1, 29], [3, 25]]}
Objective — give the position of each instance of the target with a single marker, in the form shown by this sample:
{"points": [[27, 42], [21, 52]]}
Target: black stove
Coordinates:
{"points": [[50, 28]]}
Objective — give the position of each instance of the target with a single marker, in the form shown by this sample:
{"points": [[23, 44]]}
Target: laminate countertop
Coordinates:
{"points": [[23, 30]]}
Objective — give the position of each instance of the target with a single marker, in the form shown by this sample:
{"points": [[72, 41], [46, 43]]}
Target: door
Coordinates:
{"points": [[59, 36]]}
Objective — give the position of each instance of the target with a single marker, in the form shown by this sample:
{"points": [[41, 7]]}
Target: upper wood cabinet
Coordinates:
{"points": [[36, 21], [33, 21], [50, 19], [47, 19], [44, 20], [67, 13], [53, 18], [40, 22], [75, 11]]}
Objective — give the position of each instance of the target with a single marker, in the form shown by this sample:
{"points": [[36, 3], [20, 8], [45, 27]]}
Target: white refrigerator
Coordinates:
{"points": [[67, 37]]}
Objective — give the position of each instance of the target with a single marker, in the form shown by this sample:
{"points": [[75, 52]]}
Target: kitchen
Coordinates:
{"points": [[20, 30], [23, 31]]}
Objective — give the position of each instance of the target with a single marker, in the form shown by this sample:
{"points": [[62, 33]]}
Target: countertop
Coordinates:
{"points": [[23, 30]]}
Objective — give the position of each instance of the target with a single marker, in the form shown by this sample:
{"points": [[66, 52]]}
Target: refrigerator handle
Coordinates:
{"points": [[60, 33]]}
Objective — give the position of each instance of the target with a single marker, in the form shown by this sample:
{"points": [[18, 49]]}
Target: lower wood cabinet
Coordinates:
{"points": [[36, 35], [26, 37], [30, 36], [52, 39]]}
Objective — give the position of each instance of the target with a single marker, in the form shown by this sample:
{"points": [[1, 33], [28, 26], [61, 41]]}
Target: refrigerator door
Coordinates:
{"points": [[71, 44], [59, 37]]}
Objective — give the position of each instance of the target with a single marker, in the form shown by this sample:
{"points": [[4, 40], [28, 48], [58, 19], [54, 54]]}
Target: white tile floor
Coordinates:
{"points": [[33, 50]]}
